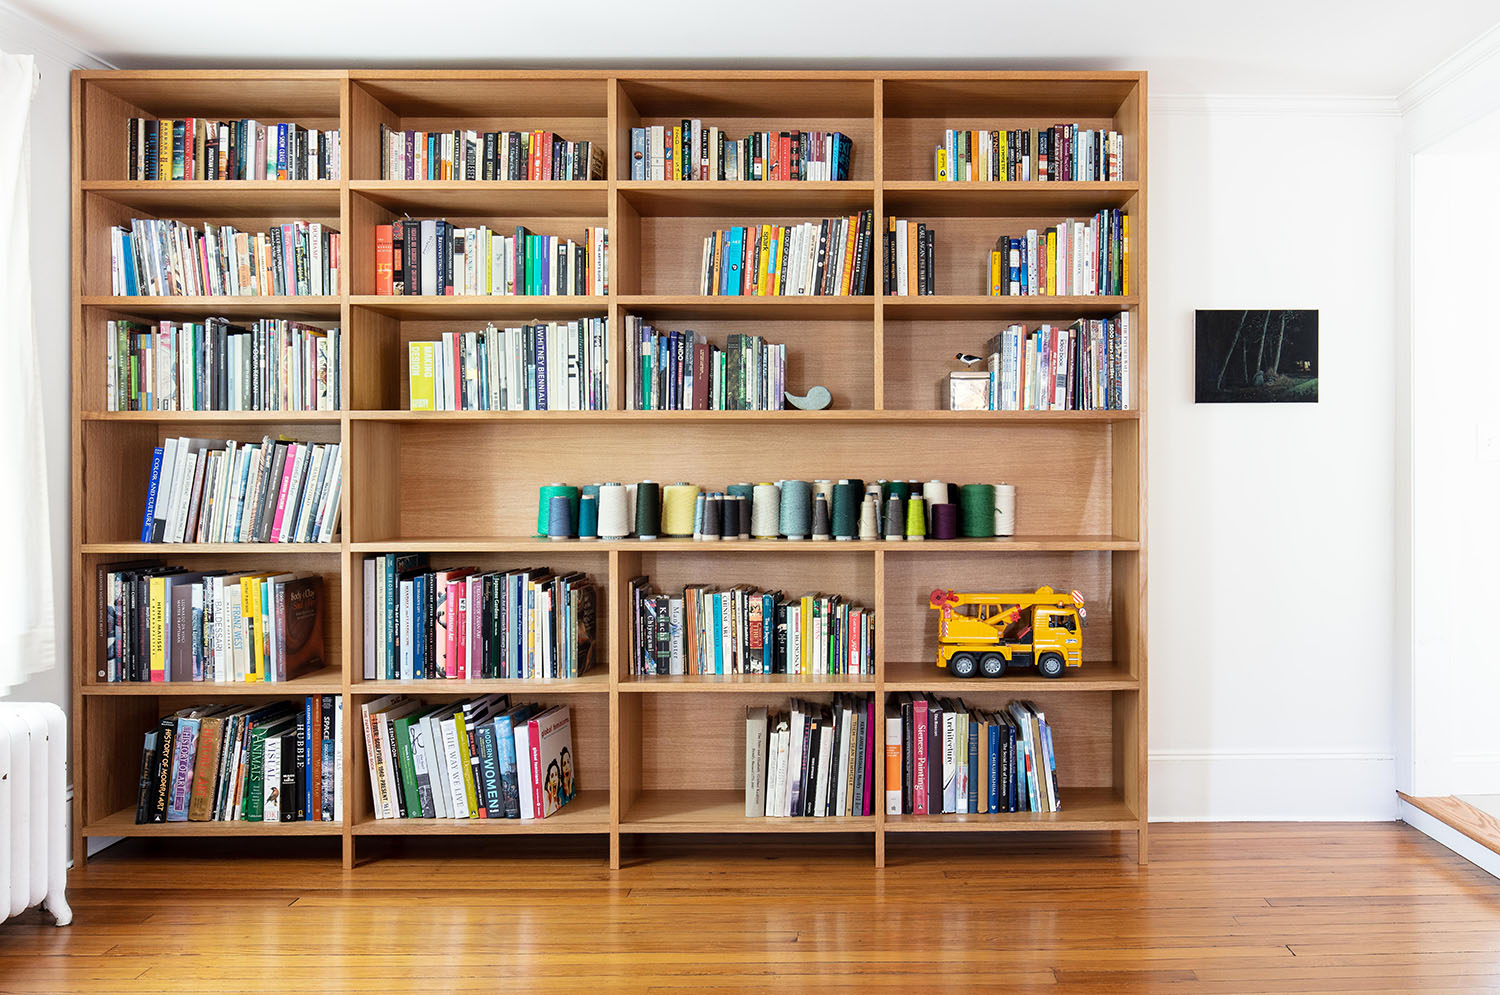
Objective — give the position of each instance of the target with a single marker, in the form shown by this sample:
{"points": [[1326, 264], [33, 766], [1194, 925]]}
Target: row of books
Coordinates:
{"points": [[831, 257], [195, 148], [486, 155], [217, 365], [1061, 152], [166, 258], [464, 622], [542, 366], [202, 490], [691, 151], [277, 762], [812, 760], [740, 630], [1082, 367], [161, 624], [1085, 258], [474, 759], [434, 257], [910, 260], [945, 757], [683, 371]]}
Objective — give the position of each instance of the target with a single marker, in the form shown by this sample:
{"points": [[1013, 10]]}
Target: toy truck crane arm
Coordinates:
{"points": [[1009, 630]]}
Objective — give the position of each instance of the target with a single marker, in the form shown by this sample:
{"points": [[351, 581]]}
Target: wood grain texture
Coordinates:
{"points": [[1475, 823]]}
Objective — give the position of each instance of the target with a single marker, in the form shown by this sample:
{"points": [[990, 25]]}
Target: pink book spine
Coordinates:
{"points": [[451, 662], [476, 630], [286, 483], [461, 638], [534, 748]]}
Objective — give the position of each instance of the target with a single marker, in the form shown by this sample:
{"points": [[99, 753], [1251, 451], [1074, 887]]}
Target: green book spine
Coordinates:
{"points": [[253, 804], [408, 770]]}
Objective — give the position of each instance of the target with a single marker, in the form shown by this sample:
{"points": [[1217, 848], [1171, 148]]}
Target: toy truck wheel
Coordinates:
{"points": [[963, 665], [992, 665], [1050, 665]]}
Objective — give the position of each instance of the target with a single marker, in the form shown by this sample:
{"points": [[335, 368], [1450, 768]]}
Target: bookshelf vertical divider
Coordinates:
{"points": [[1080, 475]]}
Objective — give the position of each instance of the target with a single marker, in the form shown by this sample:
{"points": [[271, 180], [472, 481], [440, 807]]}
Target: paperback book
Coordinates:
{"points": [[691, 150], [831, 257], [197, 148], [486, 155]]}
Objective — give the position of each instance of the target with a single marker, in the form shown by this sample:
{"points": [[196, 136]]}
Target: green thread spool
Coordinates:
{"points": [[976, 509], [544, 504], [900, 489], [746, 491], [648, 510], [846, 496], [916, 519]]}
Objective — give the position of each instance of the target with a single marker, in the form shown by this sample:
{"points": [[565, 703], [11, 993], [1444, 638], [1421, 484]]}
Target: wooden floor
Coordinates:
{"points": [[1222, 908]]}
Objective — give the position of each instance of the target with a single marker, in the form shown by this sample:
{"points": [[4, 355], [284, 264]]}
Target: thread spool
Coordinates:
{"points": [[630, 494], [916, 519], [591, 489], [588, 515], [733, 506], [765, 512], [544, 504], [869, 517], [560, 518], [698, 515], [825, 488], [976, 506], [614, 511], [945, 521], [746, 491], [895, 519], [1005, 509], [900, 489], [713, 518], [845, 510], [796, 509], [934, 493], [647, 509], [820, 523], [859, 487], [679, 503], [744, 505], [953, 494]]}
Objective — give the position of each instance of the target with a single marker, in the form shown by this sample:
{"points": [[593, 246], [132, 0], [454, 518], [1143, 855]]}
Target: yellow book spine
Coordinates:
{"points": [[805, 634], [1052, 261], [995, 263], [676, 153], [157, 620], [942, 163], [467, 764], [257, 632], [420, 360], [1002, 138], [846, 279]]}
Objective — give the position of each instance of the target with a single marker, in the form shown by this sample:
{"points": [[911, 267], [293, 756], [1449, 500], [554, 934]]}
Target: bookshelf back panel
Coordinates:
{"points": [[670, 249], [795, 572], [784, 102], [482, 479], [471, 96], [1018, 94]]}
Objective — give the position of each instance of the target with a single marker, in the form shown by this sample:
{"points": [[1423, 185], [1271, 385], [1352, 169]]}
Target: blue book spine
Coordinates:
{"points": [[843, 152], [132, 285], [993, 788], [1017, 767], [510, 788], [148, 518], [718, 609], [734, 248], [637, 153], [280, 149], [973, 799]]}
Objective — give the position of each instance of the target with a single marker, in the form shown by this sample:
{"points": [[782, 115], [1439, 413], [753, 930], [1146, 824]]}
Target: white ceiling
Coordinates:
{"points": [[1345, 47]]}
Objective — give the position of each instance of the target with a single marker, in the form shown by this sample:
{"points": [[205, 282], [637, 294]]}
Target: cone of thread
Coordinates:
{"points": [[916, 519], [647, 509], [846, 495], [614, 512], [679, 503], [765, 512], [796, 509], [976, 505], [820, 523], [895, 519]]}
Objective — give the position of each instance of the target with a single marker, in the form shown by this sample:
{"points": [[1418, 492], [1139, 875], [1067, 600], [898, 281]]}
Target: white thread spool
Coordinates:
{"points": [[1005, 510], [765, 512], [614, 511]]}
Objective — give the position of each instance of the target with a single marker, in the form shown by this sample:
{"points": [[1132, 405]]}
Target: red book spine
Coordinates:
{"points": [[919, 789], [547, 137], [784, 157]]}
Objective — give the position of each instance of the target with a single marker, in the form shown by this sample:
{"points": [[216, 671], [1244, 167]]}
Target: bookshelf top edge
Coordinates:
{"points": [[607, 73]]}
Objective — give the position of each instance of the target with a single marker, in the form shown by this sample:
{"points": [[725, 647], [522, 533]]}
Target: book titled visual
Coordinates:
{"points": [[708, 630], [692, 150], [464, 623], [542, 366], [827, 258], [486, 155], [196, 148], [1084, 366], [433, 257], [277, 762], [910, 264], [217, 365], [1079, 258], [478, 758], [1061, 152], [206, 490], [165, 258], [812, 760], [684, 371]]}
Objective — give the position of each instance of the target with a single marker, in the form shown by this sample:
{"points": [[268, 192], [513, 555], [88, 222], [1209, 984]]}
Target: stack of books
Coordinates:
{"points": [[1084, 258], [198, 149], [831, 257], [434, 257], [486, 155], [165, 258], [812, 760], [542, 366], [683, 371], [691, 151], [1061, 152]]}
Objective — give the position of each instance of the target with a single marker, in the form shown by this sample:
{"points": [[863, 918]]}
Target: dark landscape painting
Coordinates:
{"points": [[1256, 357]]}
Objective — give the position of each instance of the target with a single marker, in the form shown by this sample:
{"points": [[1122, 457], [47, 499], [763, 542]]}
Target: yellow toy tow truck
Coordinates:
{"points": [[1001, 631]]}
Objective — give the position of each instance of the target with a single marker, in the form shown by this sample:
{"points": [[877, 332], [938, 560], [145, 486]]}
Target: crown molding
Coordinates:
{"points": [[1451, 70], [37, 38], [1274, 104]]}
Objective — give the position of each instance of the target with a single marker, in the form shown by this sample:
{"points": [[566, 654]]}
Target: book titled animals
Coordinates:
{"points": [[196, 148], [1061, 152], [1084, 366], [206, 490], [811, 760], [276, 762], [1081, 258], [684, 371], [825, 258], [539, 366], [433, 257], [164, 624], [478, 758], [944, 757], [707, 630], [217, 365], [692, 150], [166, 258], [486, 155], [423, 623]]}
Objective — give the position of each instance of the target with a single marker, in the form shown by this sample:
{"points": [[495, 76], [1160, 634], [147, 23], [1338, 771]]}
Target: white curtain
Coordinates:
{"points": [[27, 632]]}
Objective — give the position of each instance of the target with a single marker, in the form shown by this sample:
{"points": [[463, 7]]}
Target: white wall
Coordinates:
{"points": [[1271, 550]]}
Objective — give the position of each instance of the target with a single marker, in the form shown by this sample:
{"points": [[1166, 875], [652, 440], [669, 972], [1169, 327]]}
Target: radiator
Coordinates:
{"points": [[33, 809]]}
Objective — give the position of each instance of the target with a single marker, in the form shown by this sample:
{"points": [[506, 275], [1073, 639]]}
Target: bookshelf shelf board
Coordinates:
{"points": [[817, 199], [907, 675], [921, 199], [834, 415], [981, 307], [588, 813], [462, 198], [683, 306], [190, 417], [222, 198], [537, 544], [722, 812], [742, 683], [483, 307], [594, 682], [310, 307], [1084, 809], [168, 549], [327, 680], [122, 823]]}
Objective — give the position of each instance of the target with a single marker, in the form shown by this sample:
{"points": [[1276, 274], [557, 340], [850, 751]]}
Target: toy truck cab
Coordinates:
{"points": [[991, 633]]}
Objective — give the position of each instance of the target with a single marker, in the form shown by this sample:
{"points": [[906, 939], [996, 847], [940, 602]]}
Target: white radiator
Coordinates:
{"points": [[33, 809]]}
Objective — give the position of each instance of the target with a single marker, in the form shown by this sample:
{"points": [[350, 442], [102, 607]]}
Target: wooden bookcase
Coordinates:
{"points": [[660, 755]]}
